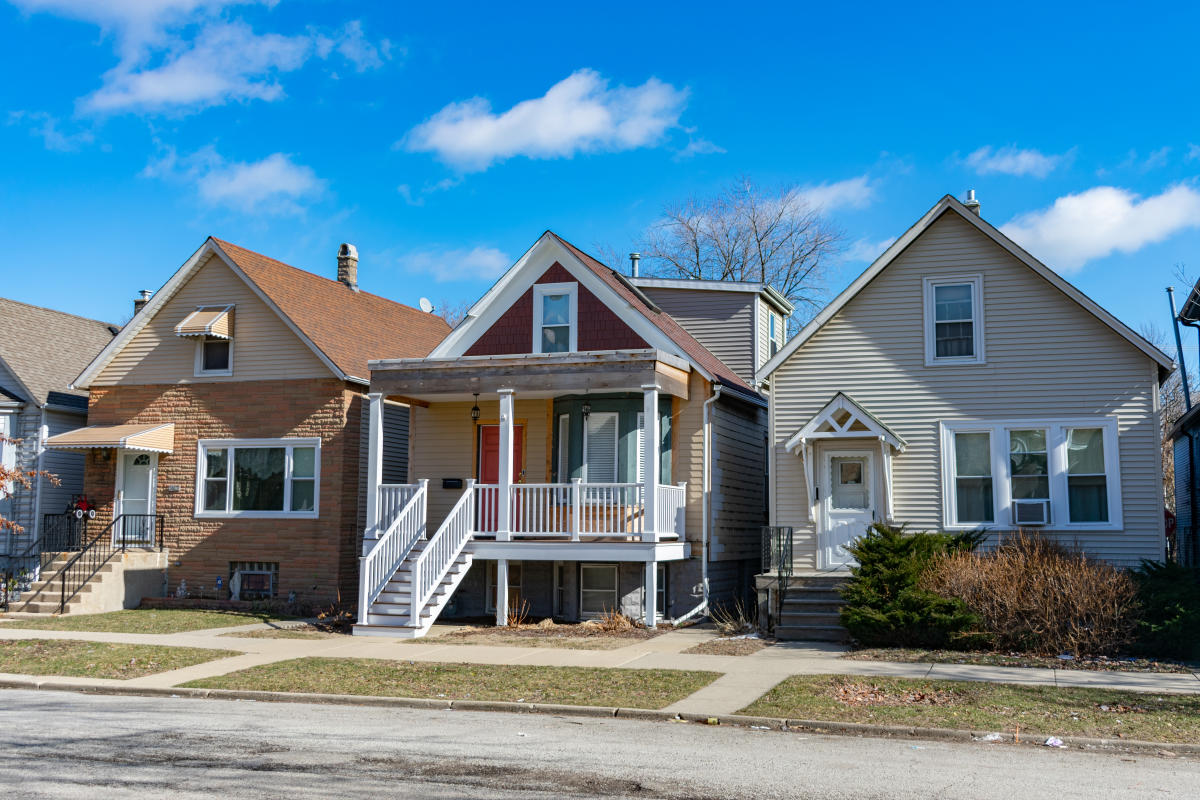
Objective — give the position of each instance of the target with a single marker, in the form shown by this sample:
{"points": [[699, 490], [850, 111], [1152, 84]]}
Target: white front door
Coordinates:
{"points": [[135, 498], [848, 505]]}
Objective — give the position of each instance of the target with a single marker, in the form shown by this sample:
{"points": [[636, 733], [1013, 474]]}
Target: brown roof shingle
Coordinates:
{"points": [[349, 327], [700, 354], [47, 349]]}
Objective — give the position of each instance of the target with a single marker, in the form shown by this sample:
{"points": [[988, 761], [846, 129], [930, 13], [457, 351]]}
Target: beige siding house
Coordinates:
{"points": [[960, 384]]}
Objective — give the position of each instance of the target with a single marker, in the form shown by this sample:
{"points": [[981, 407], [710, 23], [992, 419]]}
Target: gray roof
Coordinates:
{"points": [[45, 350]]}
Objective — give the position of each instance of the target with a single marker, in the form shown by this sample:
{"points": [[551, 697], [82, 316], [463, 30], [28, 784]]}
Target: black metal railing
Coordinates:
{"points": [[61, 533], [127, 530], [777, 561]]}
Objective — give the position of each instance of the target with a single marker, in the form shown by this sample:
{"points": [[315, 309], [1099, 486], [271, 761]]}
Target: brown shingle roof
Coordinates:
{"points": [[349, 327], [700, 354], [46, 349]]}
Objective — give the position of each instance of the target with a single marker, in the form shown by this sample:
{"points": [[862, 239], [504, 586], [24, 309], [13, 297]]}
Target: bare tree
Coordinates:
{"points": [[745, 233], [453, 311]]}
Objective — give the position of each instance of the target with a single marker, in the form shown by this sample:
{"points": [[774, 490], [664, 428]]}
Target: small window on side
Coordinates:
{"points": [[953, 321], [214, 356]]}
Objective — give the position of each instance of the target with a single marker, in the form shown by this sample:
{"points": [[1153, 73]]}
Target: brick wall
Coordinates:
{"points": [[599, 326], [317, 557]]}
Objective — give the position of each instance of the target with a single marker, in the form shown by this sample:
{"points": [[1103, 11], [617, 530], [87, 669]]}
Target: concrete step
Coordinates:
{"points": [[394, 631], [811, 633]]}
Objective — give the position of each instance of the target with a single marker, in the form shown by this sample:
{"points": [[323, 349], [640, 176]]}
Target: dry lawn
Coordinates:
{"points": [[98, 659]]}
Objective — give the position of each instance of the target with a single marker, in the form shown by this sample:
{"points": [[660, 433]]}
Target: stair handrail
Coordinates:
{"points": [[93, 555], [36, 549], [377, 567], [440, 553]]}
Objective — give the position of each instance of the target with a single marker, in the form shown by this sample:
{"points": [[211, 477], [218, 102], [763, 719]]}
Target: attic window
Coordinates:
{"points": [[954, 320], [214, 356], [555, 318]]}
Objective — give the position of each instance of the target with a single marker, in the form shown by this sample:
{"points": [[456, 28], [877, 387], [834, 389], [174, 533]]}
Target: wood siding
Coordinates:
{"points": [[721, 321], [1046, 358], [264, 347], [738, 480]]}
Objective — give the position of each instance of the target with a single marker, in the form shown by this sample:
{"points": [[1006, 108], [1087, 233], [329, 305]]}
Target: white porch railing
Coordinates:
{"points": [[377, 567], [576, 510], [393, 497], [440, 552]]}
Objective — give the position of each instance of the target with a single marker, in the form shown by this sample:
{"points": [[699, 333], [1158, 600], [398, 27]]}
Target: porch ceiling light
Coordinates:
{"points": [[475, 409]]}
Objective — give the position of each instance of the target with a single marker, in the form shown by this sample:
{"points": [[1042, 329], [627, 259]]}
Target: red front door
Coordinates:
{"points": [[489, 469]]}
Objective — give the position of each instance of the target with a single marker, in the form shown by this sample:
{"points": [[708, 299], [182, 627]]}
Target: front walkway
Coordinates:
{"points": [[744, 678]]}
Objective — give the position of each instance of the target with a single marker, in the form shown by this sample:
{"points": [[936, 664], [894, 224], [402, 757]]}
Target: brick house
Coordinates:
{"points": [[585, 441], [225, 419]]}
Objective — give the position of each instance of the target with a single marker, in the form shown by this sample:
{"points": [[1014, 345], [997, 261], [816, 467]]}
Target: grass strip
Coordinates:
{"points": [[582, 686], [98, 659], [139, 620], [999, 707], [916, 655]]}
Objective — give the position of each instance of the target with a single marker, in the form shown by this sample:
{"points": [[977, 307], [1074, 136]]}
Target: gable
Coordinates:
{"points": [[11, 389], [264, 346], [599, 328]]}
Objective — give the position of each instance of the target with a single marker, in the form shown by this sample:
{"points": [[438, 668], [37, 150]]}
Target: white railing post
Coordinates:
{"points": [[364, 591], [374, 468], [576, 508], [504, 501], [650, 463]]}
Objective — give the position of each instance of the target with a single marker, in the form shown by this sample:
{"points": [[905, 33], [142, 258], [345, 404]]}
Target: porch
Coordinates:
{"points": [[575, 473]]}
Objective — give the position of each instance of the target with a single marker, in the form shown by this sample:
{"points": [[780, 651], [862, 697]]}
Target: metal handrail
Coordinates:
{"points": [[777, 558], [84, 565], [45, 548]]}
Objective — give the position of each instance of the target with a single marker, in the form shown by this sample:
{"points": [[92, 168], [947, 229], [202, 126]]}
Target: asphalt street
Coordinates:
{"points": [[68, 745]]}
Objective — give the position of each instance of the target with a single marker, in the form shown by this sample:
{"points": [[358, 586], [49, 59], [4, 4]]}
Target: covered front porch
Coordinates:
{"points": [[562, 457]]}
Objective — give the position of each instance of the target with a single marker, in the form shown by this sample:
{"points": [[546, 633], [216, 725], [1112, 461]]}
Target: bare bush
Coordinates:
{"points": [[1037, 596], [733, 619], [613, 621]]}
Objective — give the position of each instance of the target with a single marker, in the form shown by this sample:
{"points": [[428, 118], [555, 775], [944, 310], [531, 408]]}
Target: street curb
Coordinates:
{"points": [[650, 715]]}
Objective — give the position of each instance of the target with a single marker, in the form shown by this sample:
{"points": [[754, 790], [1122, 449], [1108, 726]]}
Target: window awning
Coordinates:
{"points": [[208, 321], [155, 438]]}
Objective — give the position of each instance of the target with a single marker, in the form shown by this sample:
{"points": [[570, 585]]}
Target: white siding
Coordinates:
{"points": [[1046, 358], [263, 345]]}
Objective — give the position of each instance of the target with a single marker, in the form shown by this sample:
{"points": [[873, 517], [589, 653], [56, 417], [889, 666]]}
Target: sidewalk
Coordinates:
{"points": [[743, 680]]}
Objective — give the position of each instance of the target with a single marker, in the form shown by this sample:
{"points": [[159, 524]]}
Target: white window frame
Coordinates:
{"points": [[540, 290], [930, 284], [200, 371], [1056, 451], [616, 572], [587, 478], [8, 452], [204, 445]]}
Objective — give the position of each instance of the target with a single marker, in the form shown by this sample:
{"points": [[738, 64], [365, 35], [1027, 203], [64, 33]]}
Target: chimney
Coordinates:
{"points": [[140, 301], [972, 203], [634, 258], [348, 265]]}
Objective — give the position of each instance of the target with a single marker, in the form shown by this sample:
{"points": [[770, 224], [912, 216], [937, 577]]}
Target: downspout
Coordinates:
{"points": [[1187, 395], [706, 506]]}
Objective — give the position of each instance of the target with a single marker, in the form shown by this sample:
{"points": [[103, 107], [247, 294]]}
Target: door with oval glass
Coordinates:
{"points": [[134, 510], [848, 505]]}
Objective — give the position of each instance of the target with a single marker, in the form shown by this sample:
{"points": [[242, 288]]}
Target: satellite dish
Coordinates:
{"points": [[426, 306]]}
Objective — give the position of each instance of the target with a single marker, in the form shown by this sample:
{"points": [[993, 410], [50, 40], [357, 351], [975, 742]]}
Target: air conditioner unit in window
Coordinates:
{"points": [[1031, 512]]}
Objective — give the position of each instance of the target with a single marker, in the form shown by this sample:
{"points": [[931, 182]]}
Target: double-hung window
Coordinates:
{"points": [[258, 477], [954, 320], [555, 318], [1070, 466]]}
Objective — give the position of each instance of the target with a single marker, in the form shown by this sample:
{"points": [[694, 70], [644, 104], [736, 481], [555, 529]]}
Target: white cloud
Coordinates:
{"points": [[46, 126], [1012, 161], [477, 263], [578, 114], [1100, 221], [850, 193], [273, 185], [186, 55], [866, 250], [698, 147]]}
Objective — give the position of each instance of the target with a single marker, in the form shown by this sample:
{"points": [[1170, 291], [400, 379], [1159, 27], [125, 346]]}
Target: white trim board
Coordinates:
{"points": [[946, 205]]}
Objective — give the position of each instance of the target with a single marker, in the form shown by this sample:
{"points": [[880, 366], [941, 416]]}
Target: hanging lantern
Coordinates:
{"points": [[475, 409], [587, 409]]}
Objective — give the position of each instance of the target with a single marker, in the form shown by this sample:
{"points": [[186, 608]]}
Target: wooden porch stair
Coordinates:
{"points": [[389, 614]]}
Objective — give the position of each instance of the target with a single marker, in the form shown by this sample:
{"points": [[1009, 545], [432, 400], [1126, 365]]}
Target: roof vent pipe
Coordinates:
{"points": [[634, 258], [140, 301], [972, 203], [347, 260]]}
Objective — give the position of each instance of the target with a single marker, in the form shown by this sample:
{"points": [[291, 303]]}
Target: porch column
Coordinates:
{"points": [[650, 463], [374, 467], [504, 502], [650, 617], [502, 593]]}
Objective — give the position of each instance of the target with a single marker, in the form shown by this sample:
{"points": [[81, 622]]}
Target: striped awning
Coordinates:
{"points": [[155, 438], [208, 321]]}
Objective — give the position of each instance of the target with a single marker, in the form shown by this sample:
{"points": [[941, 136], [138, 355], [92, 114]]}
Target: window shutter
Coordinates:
{"points": [[641, 446], [600, 443]]}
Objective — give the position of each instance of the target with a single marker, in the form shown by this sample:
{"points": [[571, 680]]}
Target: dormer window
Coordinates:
{"points": [[555, 318], [212, 328], [954, 320]]}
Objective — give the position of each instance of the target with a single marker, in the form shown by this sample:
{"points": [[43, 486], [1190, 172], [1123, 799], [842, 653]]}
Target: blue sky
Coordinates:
{"points": [[443, 141]]}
